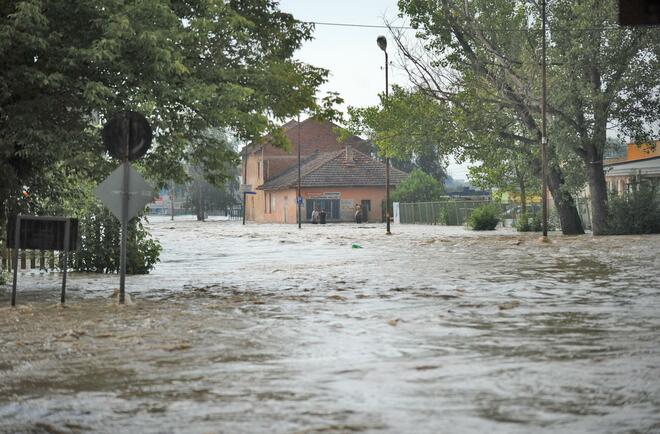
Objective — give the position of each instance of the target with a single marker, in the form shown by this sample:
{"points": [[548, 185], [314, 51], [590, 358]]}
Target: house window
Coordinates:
{"points": [[269, 203], [258, 169]]}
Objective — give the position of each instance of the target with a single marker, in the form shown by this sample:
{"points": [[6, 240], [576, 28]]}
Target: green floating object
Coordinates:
{"points": [[356, 246]]}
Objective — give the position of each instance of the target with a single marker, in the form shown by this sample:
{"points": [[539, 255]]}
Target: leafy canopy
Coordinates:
{"points": [[418, 187], [191, 66]]}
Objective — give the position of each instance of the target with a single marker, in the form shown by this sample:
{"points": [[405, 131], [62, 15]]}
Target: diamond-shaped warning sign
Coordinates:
{"points": [[109, 192]]}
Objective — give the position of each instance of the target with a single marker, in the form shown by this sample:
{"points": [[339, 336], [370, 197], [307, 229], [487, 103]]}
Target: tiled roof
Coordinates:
{"points": [[314, 135], [333, 169]]}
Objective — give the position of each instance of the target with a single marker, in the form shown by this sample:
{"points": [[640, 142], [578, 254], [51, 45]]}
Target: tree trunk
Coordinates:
{"points": [[568, 214], [598, 193], [200, 202], [3, 223], [523, 192]]}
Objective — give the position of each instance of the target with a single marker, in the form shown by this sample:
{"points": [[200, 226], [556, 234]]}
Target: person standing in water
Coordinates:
{"points": [[315, 215]]}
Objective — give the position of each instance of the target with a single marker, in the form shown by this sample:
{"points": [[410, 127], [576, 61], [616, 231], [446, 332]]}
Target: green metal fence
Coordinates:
{"points": [[455, 212]]}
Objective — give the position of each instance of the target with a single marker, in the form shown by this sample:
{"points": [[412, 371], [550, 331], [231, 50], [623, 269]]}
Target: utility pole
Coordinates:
{"points": [[245, 155], [299, 196], [544, 137]]}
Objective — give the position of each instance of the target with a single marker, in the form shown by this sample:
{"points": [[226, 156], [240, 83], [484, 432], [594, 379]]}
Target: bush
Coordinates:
{"points": [[484, 218], [637, 212], [100, 239], [443, 216], [4, 278]]}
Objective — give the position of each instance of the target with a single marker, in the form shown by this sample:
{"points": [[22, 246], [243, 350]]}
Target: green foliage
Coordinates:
{"points": [[4, 277], [526, 224], [418, 187], [190, 67], [637, 212], [100, 237], [443, 217], [484, 218], [480, 61], [407, 127]]}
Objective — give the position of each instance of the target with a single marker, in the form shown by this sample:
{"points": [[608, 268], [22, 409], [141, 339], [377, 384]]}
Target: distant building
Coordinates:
{"points": [[641, 162], [335, 177], [469, 193]]}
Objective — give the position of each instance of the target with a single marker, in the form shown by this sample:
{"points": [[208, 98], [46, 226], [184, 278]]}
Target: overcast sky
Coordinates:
{"points": [[355, 62]]}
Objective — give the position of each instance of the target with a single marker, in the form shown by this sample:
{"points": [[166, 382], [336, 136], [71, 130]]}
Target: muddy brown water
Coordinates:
{"points": [[265, 328]]}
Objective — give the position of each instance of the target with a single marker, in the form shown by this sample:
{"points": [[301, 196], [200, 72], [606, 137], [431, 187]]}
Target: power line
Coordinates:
{"points": [[381, 26], [366, 26]]}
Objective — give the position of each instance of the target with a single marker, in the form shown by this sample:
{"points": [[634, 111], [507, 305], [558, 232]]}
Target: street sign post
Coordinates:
{"points": [[127, 137]]}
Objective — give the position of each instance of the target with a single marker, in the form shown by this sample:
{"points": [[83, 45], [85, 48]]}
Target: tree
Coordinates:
{"points": [[406, 126], [507, 171], [188, 65], [418, 187], [482, 57]]}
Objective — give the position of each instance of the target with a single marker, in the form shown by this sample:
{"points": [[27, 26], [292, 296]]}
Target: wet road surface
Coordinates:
{"points": [[265, 328]]}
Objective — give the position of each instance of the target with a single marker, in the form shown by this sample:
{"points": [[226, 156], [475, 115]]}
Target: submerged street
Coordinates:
{"points": [[267, 328]]}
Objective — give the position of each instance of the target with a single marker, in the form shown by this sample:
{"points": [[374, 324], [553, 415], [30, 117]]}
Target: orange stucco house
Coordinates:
{"points": [[640, 161], [335, 176]]}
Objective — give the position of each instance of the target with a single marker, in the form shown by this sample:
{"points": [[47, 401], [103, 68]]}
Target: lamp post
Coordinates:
{"points": [[382, 44]]}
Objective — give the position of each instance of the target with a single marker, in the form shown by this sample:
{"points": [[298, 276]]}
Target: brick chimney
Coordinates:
{"points": [[350, 160]]}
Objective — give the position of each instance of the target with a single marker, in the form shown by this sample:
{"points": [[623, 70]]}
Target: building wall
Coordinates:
{"points": [[279, 206], [635, 152]]}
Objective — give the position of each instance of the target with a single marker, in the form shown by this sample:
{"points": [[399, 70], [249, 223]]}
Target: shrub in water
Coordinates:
{"points": [[525, 224], [637, 212], [484, 218], [100, 235]]}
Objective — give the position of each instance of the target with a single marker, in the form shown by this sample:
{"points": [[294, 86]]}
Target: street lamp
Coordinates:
{"points": [[382, 44]]}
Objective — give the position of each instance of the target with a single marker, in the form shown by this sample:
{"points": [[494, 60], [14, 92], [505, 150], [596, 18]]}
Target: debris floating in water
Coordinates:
{"points": [[356, 246]]}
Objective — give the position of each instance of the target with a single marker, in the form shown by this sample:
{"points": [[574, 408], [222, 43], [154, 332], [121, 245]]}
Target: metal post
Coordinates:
{"points": [[17, 246], [298, 198], [124, 219], [65, 265], [124, 235], [387, 158], [544, 137], [200, 200], [245, 158]]}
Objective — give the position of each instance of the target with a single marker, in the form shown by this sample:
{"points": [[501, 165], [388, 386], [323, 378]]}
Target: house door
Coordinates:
{"points": [[366, 208]]}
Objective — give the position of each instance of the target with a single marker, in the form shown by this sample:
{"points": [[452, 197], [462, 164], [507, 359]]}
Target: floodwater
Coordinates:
{"points": [[267, 328]]}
